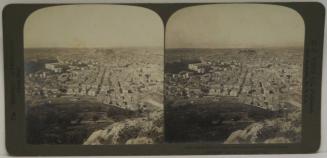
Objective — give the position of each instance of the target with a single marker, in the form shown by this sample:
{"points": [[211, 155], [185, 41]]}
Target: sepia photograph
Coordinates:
{"points": [[146, 79], [233, 74], [94, 75]]}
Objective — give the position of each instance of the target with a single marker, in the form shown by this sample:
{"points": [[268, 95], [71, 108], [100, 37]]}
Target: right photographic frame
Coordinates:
{"points": [[233, 74]]}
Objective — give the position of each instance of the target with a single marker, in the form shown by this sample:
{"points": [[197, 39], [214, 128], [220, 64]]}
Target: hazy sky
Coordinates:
{"points": [[93, 26], [235, 26]]}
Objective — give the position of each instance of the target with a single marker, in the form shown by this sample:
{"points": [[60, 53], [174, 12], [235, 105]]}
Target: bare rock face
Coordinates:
{"points": [[249, 134], [278, 130], [96, 138], [144, 130]]}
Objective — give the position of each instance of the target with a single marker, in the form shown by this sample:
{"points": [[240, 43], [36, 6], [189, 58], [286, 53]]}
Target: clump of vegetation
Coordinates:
{"points": [[209, 121], [69, 123]]}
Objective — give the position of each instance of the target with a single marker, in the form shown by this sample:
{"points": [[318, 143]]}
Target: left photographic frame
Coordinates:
{"points": [[92, 78]]}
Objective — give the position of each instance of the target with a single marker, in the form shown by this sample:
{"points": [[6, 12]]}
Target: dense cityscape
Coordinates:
{"points": [[256, 78], [130, 79], [74, 97], [262, 79], [123, 81]]}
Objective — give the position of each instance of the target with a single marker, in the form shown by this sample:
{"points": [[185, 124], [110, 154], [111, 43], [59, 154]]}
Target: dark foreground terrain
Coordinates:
{"points": [[216, 122], [85, 121], [70, 123]]}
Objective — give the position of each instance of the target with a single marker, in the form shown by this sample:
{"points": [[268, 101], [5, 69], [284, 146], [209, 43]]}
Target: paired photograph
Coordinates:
{"points": [[118, 74], [94, 75]]}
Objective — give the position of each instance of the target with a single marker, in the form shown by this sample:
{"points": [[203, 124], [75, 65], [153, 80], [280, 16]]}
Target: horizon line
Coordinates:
{"points": [[91, 47], [235, 47]]}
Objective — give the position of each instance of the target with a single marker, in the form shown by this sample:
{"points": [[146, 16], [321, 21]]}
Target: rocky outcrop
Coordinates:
{"points": [[248, 135], [143, 130], [279, 130]]}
